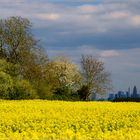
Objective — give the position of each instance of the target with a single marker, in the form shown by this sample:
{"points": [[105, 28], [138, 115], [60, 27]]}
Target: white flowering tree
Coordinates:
{"points": [[61, 73]]}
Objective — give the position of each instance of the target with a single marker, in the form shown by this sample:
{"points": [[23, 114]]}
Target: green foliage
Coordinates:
{"points": [[6, 85], [83, 92], [22, 89], [26, 72], [45, 91], [63, 91], [16, 38], [19, 46], [9, 68], [15, 89], [65, 97], [11, 86]]}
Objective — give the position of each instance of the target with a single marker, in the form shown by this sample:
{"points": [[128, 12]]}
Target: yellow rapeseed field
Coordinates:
{"points": [[58, 120]]}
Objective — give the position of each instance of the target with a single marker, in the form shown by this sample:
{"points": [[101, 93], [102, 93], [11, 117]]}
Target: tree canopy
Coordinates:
{"points": [[61, 72], [19, 46], [26, 72]]}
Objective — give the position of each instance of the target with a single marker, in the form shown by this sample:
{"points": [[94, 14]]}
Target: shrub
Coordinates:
{"points": [[6, 85], [83, 92], [65, 97], [45, 91], [63, 91], [22, 89]]}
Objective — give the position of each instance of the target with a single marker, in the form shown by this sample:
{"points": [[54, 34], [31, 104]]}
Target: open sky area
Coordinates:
{"points": [[107, 29]]}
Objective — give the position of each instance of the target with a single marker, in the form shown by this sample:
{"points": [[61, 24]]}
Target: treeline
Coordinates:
{"points": [[26, 72], [126, 100]]}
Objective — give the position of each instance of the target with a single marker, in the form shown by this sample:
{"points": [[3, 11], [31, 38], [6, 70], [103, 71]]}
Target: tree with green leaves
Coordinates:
{"points": [[16, 38], [11, 85], [19, 46]]}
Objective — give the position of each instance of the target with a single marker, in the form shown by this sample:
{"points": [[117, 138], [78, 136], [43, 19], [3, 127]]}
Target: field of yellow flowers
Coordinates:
{"points": [[58, 120]]}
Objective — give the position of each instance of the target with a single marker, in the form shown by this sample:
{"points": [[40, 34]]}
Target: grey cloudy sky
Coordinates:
{"points": [[107, 29]]}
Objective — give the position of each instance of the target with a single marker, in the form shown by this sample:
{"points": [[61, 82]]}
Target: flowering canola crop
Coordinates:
{"points": [[58, 120]]}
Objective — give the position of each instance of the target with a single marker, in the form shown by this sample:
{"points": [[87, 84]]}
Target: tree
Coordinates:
{"points": [[22, 89], [18, 46], [83, 92], [94, 76], [16, 38], [63, 74], [9, 68], [6, 85], [11, 85]]}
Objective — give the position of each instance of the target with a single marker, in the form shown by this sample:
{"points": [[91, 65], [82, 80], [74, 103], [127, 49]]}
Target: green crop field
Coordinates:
{"points": [[58, 120]]}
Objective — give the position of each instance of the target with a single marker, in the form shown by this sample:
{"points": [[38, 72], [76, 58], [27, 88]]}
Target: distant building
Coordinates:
{"points": [[135, 93], [128, 93], [111, 97], [121, 94], [116, 96]]}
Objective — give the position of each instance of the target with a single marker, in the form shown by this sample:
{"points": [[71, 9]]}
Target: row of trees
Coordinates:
{"points": [[26, 71]]}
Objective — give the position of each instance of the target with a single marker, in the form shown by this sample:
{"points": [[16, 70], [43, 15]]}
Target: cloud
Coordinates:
{"points": [[117, 15], [136, 20], [84, 18], [109, 53], [15, 1], [87, 8], [50, 16]]}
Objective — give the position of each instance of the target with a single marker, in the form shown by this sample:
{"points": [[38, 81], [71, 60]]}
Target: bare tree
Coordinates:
{"points": [[95, 78]]}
